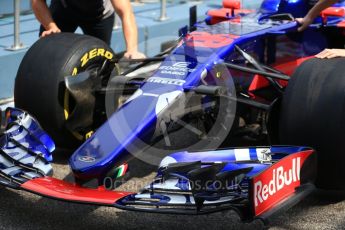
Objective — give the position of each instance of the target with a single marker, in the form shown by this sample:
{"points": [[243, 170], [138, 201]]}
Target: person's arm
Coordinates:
{"points": [[124, 9], [43, 15], [313, 13]]}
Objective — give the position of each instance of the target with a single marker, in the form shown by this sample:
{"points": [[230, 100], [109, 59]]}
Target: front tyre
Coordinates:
{"points": [[40, 87]]}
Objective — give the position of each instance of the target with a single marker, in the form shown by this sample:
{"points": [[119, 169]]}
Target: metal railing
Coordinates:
{"points": [[17, 45], [117, 22], [163, 16]]}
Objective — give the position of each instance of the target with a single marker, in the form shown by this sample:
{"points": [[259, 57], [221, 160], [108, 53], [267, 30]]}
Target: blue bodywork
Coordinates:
{"points": [[108, 145], [236, 155], [137, 118]]}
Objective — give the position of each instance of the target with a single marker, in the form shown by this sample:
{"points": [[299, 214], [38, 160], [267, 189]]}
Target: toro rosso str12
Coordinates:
{"points": [[232, 68]]}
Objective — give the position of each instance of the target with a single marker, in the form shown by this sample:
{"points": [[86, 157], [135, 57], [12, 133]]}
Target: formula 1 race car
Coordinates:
{"points": [[241, 73]]}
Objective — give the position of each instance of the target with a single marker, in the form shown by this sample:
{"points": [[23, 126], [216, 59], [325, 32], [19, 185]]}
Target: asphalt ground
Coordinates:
{"points": [[22, 210]]}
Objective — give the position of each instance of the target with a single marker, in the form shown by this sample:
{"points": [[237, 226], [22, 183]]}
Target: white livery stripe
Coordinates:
{"points": [[14, 128], [28, 160], [20, 136], [5, 162], [20, 153], [242, 154], [45, 168], [164, 100], [31, 175], [150, 94], [26, 121], [12, 169]]}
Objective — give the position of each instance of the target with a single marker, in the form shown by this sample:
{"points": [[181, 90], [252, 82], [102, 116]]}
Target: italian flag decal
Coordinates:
{"points": [[121, 170]]}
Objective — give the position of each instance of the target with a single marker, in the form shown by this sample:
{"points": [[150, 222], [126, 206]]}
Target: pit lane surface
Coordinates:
{"points": [[21, 210]]}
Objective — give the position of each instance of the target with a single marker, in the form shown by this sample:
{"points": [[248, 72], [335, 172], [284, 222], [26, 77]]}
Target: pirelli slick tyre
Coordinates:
{"points": [[40, 87], [312, 114]]}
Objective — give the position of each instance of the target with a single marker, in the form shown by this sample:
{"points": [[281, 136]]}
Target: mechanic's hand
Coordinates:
{"points": [[53, 29], [134, 55], [304, 23], [331, 53]]}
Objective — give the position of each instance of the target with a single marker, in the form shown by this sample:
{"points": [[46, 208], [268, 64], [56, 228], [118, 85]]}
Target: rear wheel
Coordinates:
{"points": [[40, 87], [312, 114]]}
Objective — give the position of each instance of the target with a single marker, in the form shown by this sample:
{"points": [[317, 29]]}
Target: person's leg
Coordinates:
{"points": [[62, 17], [101, 29]]}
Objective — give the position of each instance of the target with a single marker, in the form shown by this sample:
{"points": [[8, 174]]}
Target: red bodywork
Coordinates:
{"points": [[232, 4], [287, 68], [225, 12], [230, 8], [204, 39], [332, 12], [58, 189]]}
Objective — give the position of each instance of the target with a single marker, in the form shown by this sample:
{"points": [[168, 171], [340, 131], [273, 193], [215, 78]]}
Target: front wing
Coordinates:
{"points": [[255, 182]]}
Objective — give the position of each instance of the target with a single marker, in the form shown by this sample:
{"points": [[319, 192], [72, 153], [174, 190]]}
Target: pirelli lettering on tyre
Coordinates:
{"points": [[95, 53], [278, 182]]}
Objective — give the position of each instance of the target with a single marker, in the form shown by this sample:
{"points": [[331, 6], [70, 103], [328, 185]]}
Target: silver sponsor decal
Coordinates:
{"points": [[179, 68], [87, 159], [168, 81]]}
